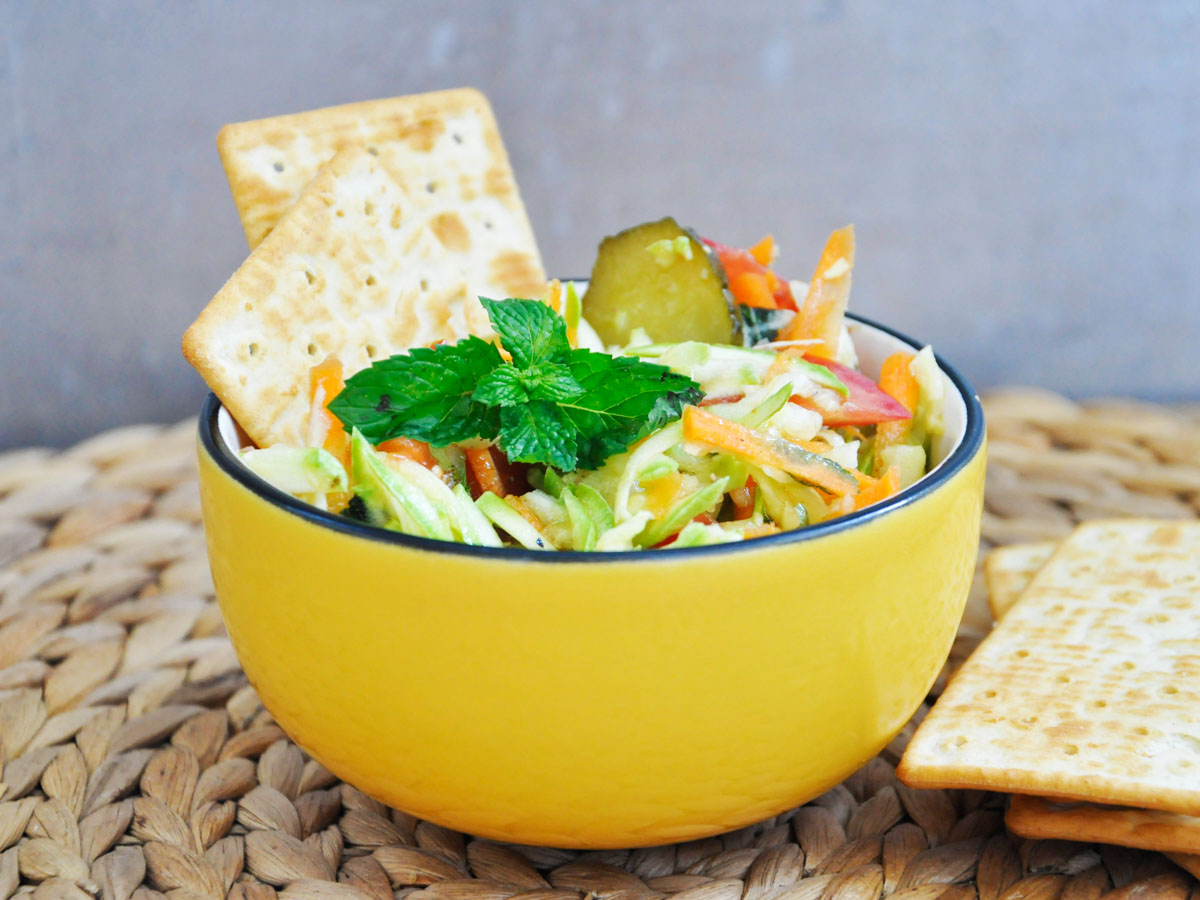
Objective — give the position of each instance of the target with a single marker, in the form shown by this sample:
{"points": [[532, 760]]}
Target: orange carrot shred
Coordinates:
{"points": [[896, 378], [752, 289], [764, 251], [822, 312], [878, 488], [523, 510], [738, 440], [326, 381], [417, 451], [554, 296]]}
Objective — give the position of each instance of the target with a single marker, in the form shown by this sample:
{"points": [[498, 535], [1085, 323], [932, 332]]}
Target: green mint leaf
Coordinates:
{"points": [[553, 405], [624, 399], [503, 386], [529, 330], [426, 394], [509, 386], [538, 431], [551, 381]]}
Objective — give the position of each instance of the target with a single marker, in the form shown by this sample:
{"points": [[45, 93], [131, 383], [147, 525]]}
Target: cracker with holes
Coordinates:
{"points": [[1008, 571], [1089, 688], [443, 147], [350, 269]]}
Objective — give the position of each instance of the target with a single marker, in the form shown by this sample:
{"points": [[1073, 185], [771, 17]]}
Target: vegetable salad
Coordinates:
{"points": [[686, 399]]}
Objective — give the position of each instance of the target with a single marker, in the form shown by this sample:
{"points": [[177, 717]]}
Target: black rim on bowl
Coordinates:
{"points": [[970, 444]]}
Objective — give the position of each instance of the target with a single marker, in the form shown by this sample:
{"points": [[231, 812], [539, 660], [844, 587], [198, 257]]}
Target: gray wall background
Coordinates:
{"points": [[1024, 176]]}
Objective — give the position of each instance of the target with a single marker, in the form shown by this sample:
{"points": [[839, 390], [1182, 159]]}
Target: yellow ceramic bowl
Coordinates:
{"points": [[596, 700]]}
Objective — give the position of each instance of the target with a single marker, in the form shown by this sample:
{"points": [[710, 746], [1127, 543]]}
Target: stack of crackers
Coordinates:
{"points": [[1084, 701], [374, 227]]}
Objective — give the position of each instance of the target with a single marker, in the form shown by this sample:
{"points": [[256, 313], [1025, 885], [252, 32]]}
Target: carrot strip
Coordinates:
{"points": [[481, 467], [554, 296], [522, 509], [417, 451], [897, 380], [764, 251], [701, 425], [823, 310], [325, 381], [752, 289], [878, 488]]}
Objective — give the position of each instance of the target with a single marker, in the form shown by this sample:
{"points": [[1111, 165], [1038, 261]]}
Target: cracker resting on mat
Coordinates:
{"points": [[348, 270], [1148, 829], [1088, 689], [1008, 571], [443, 147]]}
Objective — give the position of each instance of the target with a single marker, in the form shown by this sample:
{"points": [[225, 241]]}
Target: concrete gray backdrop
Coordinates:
{"points": [[1025, 176]]}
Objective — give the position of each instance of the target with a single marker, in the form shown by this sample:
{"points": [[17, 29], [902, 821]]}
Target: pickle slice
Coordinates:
{"points": [[661, 278]]}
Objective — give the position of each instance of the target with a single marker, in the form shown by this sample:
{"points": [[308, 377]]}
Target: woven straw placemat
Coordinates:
{"points": [[137, 760]]}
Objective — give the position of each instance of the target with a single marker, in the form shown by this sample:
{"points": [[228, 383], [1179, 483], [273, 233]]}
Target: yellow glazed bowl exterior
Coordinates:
{"points": [[607, 702]]}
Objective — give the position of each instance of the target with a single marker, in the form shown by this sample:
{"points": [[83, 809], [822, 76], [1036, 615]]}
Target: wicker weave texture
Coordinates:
{"points": [[137, 761]]}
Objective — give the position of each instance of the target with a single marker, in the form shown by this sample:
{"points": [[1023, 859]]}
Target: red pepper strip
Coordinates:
{"points": [[868, 404], [515, 476], [738, 262], [481, 473]]}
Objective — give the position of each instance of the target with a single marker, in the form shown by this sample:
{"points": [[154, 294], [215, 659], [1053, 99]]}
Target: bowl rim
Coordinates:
{"points": [[967, 448]]}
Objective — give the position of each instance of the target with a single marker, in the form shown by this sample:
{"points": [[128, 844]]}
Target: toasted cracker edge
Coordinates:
{"points": [[1038, 817]]}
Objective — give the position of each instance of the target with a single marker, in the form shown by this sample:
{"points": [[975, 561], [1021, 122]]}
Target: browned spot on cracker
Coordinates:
{"points": [[422, 135], [496, 182], [452, 232], [518, 273]]}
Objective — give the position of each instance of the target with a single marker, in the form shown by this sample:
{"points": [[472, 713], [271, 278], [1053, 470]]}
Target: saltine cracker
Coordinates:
{"points": [[1147, 829], [444, 147], [348, 270], [1089, 688], [1008, 571]]}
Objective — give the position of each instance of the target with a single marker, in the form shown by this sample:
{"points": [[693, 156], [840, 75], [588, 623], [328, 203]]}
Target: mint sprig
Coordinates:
{"points": [[428, 391], [567, 408]]}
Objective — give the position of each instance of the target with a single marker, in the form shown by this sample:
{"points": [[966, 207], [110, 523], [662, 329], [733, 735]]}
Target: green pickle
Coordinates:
{"points": [[661, 278]]}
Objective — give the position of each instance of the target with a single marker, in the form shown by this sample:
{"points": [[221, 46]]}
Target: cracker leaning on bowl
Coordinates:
{"points": [[444, 147], [350, 269], [1010, 571]]}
